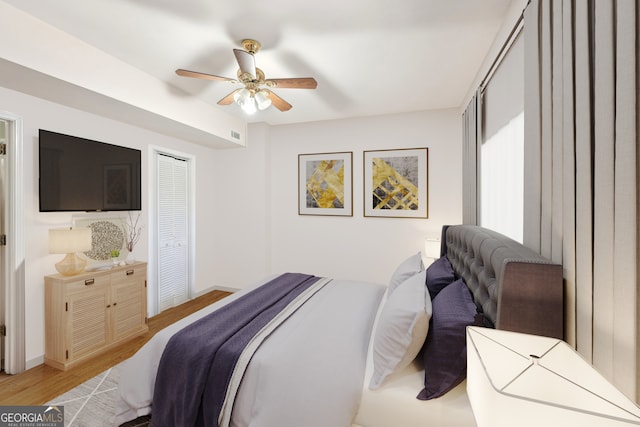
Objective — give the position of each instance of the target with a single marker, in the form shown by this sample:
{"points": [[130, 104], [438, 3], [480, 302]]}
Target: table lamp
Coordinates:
{"points": [[431, 251], [523, 380], [70, 241]]}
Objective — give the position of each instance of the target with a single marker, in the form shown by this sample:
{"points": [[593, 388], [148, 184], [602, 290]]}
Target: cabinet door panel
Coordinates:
{"points": [[88, 322], [128, 308]]}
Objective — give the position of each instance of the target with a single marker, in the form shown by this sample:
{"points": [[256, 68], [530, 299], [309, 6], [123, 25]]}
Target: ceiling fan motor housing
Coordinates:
{"points": [[251, 46]]}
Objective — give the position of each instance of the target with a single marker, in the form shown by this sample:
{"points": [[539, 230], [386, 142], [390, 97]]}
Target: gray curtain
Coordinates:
{"points": [[581, 170], [471, 132]]}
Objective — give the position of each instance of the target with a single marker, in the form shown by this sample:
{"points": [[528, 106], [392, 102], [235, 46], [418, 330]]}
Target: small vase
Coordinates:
{"points": [[130, 259]]}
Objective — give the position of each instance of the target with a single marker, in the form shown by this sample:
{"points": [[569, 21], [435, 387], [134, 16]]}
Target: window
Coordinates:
{"points": [[501, 180]]}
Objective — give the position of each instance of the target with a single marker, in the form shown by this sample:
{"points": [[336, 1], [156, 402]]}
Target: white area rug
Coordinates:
{"points": [[91, 403]]}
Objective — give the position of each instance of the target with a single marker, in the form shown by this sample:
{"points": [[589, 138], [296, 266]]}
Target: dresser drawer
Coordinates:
{"points": [[130, 274], [86, 283]]}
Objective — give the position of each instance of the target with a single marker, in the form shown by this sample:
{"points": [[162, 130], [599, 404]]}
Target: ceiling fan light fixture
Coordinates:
{"points": [[241, 96], [248, 105], [245, 100], [262, 100]]}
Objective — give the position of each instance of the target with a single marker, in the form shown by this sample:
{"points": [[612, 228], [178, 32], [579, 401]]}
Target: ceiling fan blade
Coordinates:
{"points": [[278, 102], [229, 98], [246, 61], [197, 75], [293, 83]]}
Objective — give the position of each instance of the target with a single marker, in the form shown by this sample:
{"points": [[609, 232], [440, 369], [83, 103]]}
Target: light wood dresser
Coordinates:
{"points": [[89, 313]]}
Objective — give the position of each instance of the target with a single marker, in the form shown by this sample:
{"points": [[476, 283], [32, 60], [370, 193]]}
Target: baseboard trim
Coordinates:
{"points": [[36, 361]]}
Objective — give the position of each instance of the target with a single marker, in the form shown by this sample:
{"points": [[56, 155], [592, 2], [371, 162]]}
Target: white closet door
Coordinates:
{"points": [[173, 232]]}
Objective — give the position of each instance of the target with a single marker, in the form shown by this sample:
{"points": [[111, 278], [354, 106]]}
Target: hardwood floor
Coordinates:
{"points": [[43, 383]]}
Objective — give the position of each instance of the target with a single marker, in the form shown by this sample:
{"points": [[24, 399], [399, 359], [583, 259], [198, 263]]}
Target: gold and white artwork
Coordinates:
{"points": [[395, 183], [325, 184]]}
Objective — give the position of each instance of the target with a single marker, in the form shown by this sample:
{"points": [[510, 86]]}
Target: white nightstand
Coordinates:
{"points": [[524, 380]]}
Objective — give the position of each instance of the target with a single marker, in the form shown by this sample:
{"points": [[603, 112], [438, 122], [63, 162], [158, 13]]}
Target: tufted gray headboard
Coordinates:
{"points": [[516, 288]]}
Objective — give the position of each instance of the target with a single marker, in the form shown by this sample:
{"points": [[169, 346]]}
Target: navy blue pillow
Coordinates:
{"points": [[439, 275], [445, 349]]}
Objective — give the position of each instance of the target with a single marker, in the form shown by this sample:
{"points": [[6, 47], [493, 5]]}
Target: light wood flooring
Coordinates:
{"points": [[41, 384]]}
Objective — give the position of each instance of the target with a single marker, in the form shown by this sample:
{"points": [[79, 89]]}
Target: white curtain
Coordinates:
{"points": [[581, 173]]}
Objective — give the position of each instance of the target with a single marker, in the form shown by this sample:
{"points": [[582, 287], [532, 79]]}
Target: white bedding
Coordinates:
{"points": [[318, 383], [309, 371], [323, 350], [138, 373], [395, 404]]}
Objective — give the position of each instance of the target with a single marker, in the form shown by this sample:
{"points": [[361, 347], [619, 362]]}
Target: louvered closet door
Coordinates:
{"points": [[173, 232]]}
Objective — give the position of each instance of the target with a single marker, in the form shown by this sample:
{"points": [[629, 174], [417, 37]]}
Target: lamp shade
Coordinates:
{"points": [[262, 99], [241, 96], [432, 248], [249, 105], [523, 380], [69, 240]]}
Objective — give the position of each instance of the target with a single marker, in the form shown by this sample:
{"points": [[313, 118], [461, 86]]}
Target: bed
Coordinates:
{"points": [[355, 353]]}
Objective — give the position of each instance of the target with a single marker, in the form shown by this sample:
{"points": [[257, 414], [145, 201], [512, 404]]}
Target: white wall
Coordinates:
{"points": [[240, 212], [358, 247], [343, 247], [37, 113]]}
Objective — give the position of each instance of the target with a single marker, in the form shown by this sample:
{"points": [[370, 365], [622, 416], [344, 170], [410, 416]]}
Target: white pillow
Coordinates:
{"points": [[409, 267], [402, 329]]}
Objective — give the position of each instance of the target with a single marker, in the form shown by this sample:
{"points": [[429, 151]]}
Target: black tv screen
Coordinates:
{"points": [[78, 174]]}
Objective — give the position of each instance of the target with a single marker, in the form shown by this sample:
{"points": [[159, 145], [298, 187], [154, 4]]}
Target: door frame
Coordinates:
{"points": [[14, 274], [152, 220]]}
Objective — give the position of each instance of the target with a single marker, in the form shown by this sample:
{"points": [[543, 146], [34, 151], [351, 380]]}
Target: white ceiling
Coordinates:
{"points": [[400, 56]]}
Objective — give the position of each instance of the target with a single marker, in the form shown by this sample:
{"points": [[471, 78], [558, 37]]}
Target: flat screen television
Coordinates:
{"points": [[78, 174]]}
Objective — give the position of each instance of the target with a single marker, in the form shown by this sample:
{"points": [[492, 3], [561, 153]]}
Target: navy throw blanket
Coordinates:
{"points": [[198, 361]]}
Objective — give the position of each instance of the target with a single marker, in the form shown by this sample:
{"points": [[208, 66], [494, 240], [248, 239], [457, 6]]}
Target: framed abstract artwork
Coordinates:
{"points": [[396, 183], [325, 184]]}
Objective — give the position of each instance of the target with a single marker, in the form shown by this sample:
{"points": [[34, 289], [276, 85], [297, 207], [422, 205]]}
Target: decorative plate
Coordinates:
{"points": [[106, 236]]}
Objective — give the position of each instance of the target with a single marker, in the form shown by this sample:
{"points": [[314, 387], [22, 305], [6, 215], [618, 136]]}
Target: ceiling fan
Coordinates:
{"points": [[255, 93]]}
